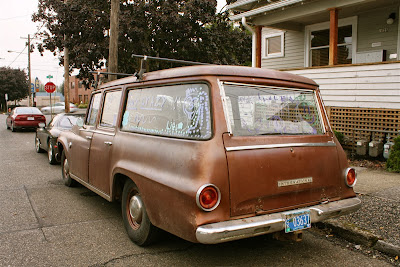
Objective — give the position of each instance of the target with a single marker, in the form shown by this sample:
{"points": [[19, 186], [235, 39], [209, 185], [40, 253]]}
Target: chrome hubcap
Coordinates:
{"points": [[136, 209], [50, 152], [37, 143], [66, 168]]}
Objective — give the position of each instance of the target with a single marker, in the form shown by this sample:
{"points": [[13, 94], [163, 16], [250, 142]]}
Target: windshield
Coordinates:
{"points": [[253, 110]]}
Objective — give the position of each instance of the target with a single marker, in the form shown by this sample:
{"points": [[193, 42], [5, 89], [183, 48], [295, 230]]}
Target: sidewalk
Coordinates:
{"points": [[377, 223]]}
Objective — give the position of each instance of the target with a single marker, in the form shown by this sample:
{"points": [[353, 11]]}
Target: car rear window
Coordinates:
{"points": [[253, 110], [28, 110], [181, 111]]}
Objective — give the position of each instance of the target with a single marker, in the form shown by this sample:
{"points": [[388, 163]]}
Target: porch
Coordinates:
{"points": [[362, 100]]}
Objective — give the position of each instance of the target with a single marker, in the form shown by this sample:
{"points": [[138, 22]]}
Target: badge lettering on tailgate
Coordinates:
{"points": [[305, 180]]}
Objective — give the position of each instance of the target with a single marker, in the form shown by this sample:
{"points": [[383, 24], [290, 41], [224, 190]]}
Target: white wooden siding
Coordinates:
{"points": [[294, 51], [368, 86]]}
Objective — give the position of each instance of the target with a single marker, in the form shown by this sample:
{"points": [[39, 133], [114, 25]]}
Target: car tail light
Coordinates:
{"points": [[208, 197], [20, 118], [350, 177]]}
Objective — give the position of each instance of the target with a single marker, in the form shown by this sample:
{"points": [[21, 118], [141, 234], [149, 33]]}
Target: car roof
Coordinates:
{"points": [[214, 70]]}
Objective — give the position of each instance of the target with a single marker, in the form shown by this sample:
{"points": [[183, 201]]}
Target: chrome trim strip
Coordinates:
{"points": [[238, 148], [91, 187], [225, 106], [318, 104], [98, 132], [215, 233]]}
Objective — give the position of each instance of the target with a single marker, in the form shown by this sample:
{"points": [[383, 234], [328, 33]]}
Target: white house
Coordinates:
{"points": [[351, 48]]}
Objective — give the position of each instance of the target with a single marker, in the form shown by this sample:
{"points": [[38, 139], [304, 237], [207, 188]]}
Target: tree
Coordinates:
{"points": [[179, 29], [84, 23], [14, 83], [61, 88]]}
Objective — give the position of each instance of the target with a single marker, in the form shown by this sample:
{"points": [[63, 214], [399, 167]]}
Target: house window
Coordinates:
{"points": [[318, 43], [86, 99], [80, 99], [273, 45], [320, 46]]}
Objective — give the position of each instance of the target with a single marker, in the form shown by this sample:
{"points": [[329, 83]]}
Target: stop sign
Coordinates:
{"points": [[50, 87]]}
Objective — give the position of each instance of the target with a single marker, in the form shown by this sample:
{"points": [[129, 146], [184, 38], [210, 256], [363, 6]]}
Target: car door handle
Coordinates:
{"points": [[108, 143], [88, 137]]}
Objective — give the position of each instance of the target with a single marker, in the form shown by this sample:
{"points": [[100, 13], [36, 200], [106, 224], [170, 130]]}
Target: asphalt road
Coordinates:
{"points": [[44, 223]]}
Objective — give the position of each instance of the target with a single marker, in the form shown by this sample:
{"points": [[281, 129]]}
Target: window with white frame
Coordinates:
{"points": [[273, 45], [317, 44]]}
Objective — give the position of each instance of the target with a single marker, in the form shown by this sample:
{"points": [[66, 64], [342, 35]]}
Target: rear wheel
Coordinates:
{"points": [[68, 181], [37, 145], [51, 155], [136, 221]]}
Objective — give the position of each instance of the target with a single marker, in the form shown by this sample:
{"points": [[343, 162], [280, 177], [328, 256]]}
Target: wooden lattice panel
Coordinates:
{"points": [[365, 123]]}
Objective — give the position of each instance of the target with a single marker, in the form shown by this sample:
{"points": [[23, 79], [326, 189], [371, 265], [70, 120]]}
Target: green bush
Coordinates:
{"points": [[339, 136], [82, 105], [393, 162]]}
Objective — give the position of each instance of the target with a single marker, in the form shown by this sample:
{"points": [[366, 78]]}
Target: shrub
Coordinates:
{"points": [[393, 162], [82, 105], [339, 136]]}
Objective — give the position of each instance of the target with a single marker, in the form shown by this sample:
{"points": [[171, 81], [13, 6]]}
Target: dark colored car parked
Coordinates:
{"points": [[46, 136], [24, 117]]}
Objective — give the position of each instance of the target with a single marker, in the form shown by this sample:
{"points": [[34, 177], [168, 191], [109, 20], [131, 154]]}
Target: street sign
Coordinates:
{"points": [[37, 85], [50, 87], [49, 77], [32, 87]]}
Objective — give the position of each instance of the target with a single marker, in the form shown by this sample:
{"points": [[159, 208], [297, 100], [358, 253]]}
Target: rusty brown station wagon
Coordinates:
{"points": [[211, 154]]}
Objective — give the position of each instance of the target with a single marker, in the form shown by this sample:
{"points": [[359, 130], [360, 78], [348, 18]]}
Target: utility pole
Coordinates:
{"points": [[30, 98], [66, 74], [114, 32]]}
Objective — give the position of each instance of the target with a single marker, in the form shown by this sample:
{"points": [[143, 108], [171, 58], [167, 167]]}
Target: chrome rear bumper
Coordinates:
{"points": [[258, 225]]}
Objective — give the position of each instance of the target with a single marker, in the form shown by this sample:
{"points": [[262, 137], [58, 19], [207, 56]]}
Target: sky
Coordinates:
{"points": [[15, 25]]}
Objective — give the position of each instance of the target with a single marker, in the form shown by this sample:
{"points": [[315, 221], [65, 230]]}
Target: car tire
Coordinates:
{"points": [[68, 181], [51, 155], [136, 221], [37, 145], [13, 127]]}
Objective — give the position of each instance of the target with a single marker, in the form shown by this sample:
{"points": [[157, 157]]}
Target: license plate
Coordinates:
{"points": [[297, 221], [31, 118]]}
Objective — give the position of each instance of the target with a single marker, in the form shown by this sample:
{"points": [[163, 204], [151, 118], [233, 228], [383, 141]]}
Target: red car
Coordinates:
{"points": [[24, 117]]}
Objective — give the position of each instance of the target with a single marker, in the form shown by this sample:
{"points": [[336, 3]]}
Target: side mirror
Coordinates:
{"points": [[79, 122], [41, 125]]}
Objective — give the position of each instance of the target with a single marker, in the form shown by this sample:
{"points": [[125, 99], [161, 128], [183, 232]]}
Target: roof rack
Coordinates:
{"points": [[142, 70]]}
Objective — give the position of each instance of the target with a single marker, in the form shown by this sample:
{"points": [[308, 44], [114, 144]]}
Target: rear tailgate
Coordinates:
{"points": [[279, 176]]}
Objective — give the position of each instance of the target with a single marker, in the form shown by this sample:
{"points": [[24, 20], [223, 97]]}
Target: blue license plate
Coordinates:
{"points": [[297, 221]]}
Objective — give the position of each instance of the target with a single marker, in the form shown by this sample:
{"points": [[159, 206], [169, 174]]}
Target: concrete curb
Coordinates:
{"points": [[359, 236]]}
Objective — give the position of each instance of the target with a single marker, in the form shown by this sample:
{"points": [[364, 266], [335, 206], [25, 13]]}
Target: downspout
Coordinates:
{"points": [[253, 42]]}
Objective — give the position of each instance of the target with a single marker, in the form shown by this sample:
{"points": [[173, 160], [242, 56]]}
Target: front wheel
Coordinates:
{"points": [[68, 181], [51, 155], [136, 221], [37, 145]]}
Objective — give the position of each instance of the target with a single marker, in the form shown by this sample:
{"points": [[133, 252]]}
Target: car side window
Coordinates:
{"points": [[93, 109], [181, 111], [110, 109]]}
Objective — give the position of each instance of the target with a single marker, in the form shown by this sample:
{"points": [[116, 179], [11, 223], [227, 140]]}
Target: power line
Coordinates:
{"points": [[17, 17]]}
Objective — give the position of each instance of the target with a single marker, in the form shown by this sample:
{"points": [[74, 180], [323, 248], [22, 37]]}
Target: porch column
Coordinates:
{"points": [[258, 31], [333, 36]]}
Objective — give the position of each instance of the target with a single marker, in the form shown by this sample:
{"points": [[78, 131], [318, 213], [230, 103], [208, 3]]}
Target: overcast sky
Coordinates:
{"points": [[16, 24]]}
